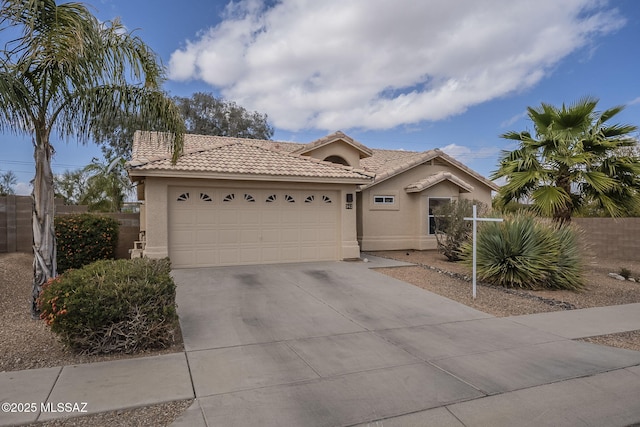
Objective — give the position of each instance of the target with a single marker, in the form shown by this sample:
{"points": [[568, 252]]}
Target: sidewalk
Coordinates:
{"points": [[521, 370]]}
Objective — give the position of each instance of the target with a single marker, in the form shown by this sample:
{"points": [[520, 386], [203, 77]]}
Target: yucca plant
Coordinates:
{"points": [[526, 252]]}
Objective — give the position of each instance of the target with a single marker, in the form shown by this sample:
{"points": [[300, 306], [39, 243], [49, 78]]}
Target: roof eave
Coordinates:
{"points": [[169, 173]]}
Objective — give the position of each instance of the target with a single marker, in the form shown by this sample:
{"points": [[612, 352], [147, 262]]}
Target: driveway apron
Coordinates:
{"points": [[335, 343]]}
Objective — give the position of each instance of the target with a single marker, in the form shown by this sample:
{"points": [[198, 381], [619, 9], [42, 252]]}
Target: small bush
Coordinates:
{"points": [[112, 306], [84, 238], [452, 230], [528, 252], [625, 272]]}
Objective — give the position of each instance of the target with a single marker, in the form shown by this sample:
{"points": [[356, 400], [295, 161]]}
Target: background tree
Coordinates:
{"points": [[70, 186], [65, 73], [575, 158], [8, 180], [203, 113]]}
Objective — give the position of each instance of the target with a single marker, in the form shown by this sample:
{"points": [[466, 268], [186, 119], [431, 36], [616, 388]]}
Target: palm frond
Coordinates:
{"points": [[550, 199]]}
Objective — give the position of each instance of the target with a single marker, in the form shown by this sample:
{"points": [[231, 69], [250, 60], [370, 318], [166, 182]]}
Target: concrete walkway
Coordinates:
{"points": [[336, 344]]}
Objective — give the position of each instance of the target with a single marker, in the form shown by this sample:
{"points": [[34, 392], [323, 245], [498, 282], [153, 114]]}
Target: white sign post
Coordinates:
{"points": [[475, 220]]}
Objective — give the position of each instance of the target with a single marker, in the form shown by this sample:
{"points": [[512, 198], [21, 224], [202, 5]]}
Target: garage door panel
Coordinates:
{"points": [[270, 254], [290, 235], [206, 257], [206, 236], [270, 235], [228, 216], [290, 216], [248, 217], [204, 217], [326, 252], [228, 237], [183, 237], [250, 236], [250, 255], [229, 256], [326, 235], [309, 235], [290, 253], [270, 215], [184, 217], [181, 257], [263, 227]]}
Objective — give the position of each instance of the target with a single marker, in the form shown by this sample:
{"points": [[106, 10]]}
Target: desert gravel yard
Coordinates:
{"points": [[28, 344]]}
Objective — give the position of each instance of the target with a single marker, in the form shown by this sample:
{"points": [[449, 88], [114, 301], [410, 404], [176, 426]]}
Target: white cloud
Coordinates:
{"points": [[377, 64], [23, 189], [507, 123], [466, 154], [634, 101]]}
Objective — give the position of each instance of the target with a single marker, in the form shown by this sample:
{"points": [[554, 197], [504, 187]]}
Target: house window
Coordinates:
{"points": [[289, 198], [183, 197], [309, 199], [384, 200], [205, 197], [229, 197], [337, 159], [272, 198], [434, 202], [326, 199], [249, 198]]}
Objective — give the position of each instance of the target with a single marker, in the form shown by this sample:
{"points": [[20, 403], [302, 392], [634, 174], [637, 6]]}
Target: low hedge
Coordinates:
{"points": [[84, 238], [112, 306]]}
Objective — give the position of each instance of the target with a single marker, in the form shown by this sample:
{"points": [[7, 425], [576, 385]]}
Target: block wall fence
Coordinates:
{"points": [[16, 234]]}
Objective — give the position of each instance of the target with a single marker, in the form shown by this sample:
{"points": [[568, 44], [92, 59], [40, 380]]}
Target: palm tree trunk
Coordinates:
{"points": [[563, 214], [44, 238]]}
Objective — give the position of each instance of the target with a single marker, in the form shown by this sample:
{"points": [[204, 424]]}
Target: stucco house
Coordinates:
{"points": [[232, 201]]}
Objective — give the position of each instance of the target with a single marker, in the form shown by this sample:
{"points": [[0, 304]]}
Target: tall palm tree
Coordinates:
{"points": [[574, 158], [63, 74]]}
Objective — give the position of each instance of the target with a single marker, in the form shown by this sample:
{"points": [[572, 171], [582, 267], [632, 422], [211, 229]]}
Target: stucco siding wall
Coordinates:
{"points": [[405, 226]]}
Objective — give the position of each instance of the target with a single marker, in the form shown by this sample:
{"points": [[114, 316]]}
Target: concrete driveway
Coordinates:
{"points": [[337, 344]]}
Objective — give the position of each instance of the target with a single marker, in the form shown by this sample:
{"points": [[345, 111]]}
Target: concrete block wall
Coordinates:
{"points": [[609, 238], [16, 234]]}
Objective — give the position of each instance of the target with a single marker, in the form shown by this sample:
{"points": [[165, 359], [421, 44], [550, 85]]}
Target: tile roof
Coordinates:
{"points": [[389, 163], [436, 178], [220, 155], [364, 150]]}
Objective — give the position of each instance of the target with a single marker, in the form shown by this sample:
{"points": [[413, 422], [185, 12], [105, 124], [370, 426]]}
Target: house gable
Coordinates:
{"points": [[336, 148], [431, 180]]}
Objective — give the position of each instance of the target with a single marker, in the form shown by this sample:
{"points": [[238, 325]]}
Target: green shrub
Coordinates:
{"points": [[452, 230], [528, 252], [112, 306], [84, 238]]}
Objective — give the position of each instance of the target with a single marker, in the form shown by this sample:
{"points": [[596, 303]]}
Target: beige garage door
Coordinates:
{"points": [[209, 227]]}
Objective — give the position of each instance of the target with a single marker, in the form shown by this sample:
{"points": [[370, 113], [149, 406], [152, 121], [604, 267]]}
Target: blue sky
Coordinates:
{"points": [[398, 75]]}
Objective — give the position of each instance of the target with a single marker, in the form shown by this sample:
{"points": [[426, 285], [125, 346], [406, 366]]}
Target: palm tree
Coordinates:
{"points": [[7, 181], [107, 185], [63, 74], [574, 158]]}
